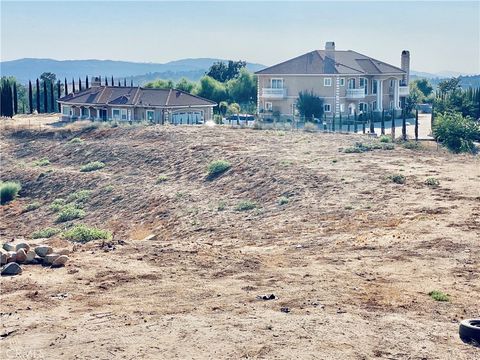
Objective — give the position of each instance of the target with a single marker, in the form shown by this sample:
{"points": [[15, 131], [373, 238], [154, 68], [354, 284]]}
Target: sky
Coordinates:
{"points": [[440, 35]]}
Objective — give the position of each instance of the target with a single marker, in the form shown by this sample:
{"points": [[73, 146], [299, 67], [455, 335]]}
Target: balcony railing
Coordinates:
{"points": [[403, 91], [272, 93], [356, 93]]}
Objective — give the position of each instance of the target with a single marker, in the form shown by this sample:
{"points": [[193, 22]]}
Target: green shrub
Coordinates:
{"points": [[57, 205], [456, 132], [245, 205], [362, 147], [9, 191], [221, 205], [388, 146], [385, 139], [70, 212], [412, 145], [80, 196], [438, 295], [283, 200], [32, 206], [398, 178], [75, 140], [83, 234], [92, 166], [431, 181], [42, 162], [162, 178], [217, 167], [108, 188], [45, 233], [310, 127]]}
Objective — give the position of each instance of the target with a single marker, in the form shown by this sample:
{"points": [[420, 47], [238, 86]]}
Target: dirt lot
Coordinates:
{"points": [[352, 255]]}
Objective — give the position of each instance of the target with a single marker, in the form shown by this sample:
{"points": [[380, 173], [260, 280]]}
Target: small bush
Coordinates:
{"points": [[32, 206], [310, 127], [217, 167], [456, 132], [388, 146], [385, 139], [92, 166], [412, 145], [75, 140], [80, 196], [42, 162], [70, 212], [431, 181], [245, 205], [45, 233], [283, 200], [438, 295], [83, 234], [161, 179], [221, 205], [57, 205], [108, 189], [398, 178], [9, 191]]}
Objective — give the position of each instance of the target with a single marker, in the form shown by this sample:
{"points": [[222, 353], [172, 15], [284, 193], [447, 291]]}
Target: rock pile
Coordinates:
{"points": [[13, 254]]}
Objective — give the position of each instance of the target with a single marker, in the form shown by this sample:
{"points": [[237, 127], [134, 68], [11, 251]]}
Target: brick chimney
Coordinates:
{"points": [[405, 66], [96, 81], [329, 62]]}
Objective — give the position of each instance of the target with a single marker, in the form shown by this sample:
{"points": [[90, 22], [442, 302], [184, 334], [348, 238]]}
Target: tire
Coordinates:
{"points": [[469, 331]]}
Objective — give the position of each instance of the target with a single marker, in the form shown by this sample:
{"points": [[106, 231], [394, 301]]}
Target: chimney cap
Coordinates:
{"points": [[405, 52], [330, 45]]}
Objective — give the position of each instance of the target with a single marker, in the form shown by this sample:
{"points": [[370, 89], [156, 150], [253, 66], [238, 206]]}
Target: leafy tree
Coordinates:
{"points": [[449, 85], [113, 83], [212, 89], [160, 84], [186, 85], [310, 105], [456, 132], [234, 109], [223, 107], [223, 72], [30, 97], [48, 76], [106, 81], [243, 88], [414, 98], [424, 86]]}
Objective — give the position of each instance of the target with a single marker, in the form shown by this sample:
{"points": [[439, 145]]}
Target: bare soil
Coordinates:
{"points": [[352, 255]]}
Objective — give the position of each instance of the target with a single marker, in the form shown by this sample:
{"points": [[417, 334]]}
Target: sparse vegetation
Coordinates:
{"points": [[362, 147], [75, 140], [9, 191], [57, 205], [32, 206], [108, 188], [217, 167], [161, 179], [431, 181], [42, 162], [92, 166], [385, 139], [82, 234], [398, 178], [70, 212], [46, 233], [221, 205], [80, 196], [283, 200], [245, 205], [438, 295], [310, 127], [412, 145]]}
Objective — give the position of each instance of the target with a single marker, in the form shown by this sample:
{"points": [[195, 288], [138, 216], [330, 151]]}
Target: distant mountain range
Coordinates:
{"points": [[30, 69], [439, 75]]}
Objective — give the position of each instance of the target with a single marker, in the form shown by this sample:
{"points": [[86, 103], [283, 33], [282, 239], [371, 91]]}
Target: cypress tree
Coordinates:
{"points": [[73, 86], [125, 82], [86, 82], [58, 90], [45, 99], [52, 97], [66, 87], [113, 84], [131, 82], [348, 123], [119, 83], [79, 84], [38, 96], [106, 81], [30, 97], [333, 123], [15, 99]]}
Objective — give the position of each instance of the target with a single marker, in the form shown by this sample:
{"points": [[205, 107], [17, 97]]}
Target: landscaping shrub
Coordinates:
{"points": [[42, 162], [398, 178], [217, 167], [438, 295], [385, 139], [80, 196], [412, 145], [45, 233], [456, 132], [245, 205], [57, 205], [32, 206], [92, 166], [83, 234], [70, 212], [9, 191], [431, 181]]}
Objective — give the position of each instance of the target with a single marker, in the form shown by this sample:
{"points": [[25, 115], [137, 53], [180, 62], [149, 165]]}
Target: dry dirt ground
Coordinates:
{"points": [[352, 255]]}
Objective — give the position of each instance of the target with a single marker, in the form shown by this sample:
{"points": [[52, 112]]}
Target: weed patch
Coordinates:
{"points": [[92, 166], [32, 206], [438, 295], [46, 233], [83, 234], [398, 178], [42, 162], [217, 167], [68, 213], [431, 181], [245, 205]]}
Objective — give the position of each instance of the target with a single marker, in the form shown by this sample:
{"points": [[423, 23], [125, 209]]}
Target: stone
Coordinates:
{"points": [[9, 246], [30, 256], [21, 256], [50, 258], [3, 258], [11, 256], [22, 245], [11, 269], [151, 237], [60, 261], [43, 250]]}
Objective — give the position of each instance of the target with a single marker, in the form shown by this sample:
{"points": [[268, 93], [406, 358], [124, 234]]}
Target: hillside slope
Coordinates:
{"points": [[349, 255]]}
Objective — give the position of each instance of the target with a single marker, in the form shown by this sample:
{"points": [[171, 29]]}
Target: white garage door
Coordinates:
{"points": [[192, 117]]}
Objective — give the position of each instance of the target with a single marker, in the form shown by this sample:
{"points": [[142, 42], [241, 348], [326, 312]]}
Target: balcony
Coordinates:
{"points": [[355, 93], [272, 93], [403, 91]]}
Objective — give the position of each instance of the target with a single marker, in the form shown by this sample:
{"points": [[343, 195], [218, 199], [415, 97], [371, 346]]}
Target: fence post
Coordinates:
{"points": [[341, 125], [355, 126], [382, 129], [404, 125], [393, 124], [363, 123], [372, 123], [416, 124], [333, 123], [348, 123]]}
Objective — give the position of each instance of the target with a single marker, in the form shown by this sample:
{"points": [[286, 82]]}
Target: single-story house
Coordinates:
{"points": [[128, 103]]}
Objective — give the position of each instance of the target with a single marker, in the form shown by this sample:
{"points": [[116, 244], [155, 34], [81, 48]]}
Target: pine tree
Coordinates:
{"points": [[79, 84], [30, 97], [45, 100], [131, 82], [38, 96], [106, 81], [113, 84], [125, 82], [86, 82], [66, 87], [52, 97], [15, 99], [73, 86]]}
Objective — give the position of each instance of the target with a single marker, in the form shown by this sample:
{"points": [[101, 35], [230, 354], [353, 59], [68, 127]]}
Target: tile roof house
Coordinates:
{"points": [[348, 82], [135, 104]]}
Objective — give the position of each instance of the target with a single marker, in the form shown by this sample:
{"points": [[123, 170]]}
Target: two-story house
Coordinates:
{"points": [[347, 81]]}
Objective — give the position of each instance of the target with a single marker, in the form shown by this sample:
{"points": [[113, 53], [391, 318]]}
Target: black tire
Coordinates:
{"points": [[469, 331]]}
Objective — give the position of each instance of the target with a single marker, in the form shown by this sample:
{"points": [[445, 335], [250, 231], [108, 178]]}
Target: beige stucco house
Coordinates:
{"points": [[128, 103], [347, 81]]}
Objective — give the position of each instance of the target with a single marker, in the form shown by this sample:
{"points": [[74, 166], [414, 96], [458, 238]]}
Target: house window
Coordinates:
{"points": [[124, 114], [342, 108], [150, 115], [392, 82], [351, 83], [363, 107], [391, 105], [277, 83], [342, 81], [364, 84], [327, 82], [116, 114], [268, 106], [374, 105], [66, 110], [374, 86], [327, 108]]}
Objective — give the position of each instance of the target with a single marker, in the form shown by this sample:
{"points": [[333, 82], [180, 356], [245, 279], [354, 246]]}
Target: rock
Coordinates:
{"points": [[50, 258], [21, 256], [151, 237], [9, 246], [266, 297], [60, 261], [37, 260], [285, 310], [43, 250], [22, 245], [11, 256], [3, 258], [30, 256], [11, 269]]}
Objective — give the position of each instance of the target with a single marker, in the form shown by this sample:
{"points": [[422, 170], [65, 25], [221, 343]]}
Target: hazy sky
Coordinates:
{"points": [[440, 35]]}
